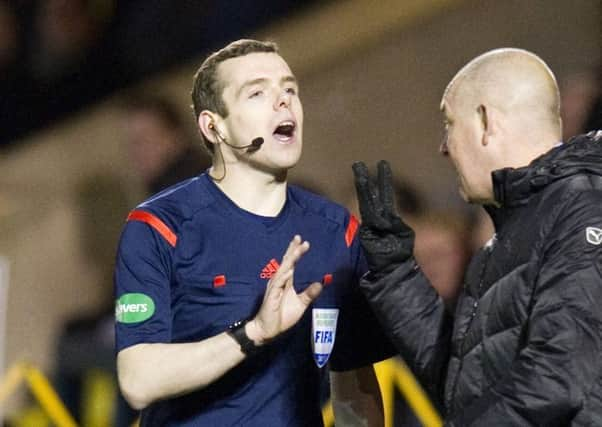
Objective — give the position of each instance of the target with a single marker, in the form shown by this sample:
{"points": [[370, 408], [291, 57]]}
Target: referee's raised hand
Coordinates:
{"points": [[282, 306]]}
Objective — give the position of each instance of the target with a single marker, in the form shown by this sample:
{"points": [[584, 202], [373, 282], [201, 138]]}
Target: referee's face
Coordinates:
{"points": [[262, 97]]}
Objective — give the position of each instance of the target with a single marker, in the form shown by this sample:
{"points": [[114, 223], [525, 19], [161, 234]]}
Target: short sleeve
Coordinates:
{"points": [[360, 339], [142, 286]]}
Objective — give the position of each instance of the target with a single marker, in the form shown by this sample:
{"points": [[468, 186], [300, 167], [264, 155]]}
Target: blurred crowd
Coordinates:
{"points": [[57, 56], [581, 95]]}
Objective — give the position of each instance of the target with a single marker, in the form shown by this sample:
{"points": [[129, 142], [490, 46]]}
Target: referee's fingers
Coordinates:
{"points": [[276, 286], [296, 249], [311, 293], [284, 273]]}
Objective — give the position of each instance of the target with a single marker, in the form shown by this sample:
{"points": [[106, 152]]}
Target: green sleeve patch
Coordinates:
{"points": [[134, 308]]}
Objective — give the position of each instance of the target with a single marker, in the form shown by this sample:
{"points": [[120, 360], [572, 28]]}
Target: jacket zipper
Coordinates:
{"points": [[473, 313]]}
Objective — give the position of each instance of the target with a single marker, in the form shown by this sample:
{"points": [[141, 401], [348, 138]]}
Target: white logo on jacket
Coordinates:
{"points": [[593, 235]]}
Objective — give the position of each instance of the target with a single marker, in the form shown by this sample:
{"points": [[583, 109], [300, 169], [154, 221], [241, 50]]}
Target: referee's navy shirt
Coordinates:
{"points": [[190, 263]]}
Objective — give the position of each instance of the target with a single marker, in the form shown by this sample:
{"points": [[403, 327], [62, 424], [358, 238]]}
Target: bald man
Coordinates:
{"points": [[524, 346]]}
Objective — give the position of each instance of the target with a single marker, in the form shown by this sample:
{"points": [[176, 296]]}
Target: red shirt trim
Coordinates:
{"points": [[156, 223], [351, 230]]}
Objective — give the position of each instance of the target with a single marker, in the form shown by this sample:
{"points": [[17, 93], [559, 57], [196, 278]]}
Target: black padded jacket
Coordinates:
{"points": [[524, 346]]}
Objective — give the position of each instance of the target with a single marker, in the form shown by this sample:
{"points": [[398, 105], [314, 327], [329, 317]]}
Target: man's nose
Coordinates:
{"points": [[284, 100], [443, 149]]}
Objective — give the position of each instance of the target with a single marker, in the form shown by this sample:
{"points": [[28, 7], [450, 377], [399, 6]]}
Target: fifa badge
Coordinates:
{"points": [[323, 331]]}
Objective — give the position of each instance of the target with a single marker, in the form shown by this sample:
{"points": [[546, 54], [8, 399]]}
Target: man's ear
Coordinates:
{"points": [[207, 125], [487, 123]]}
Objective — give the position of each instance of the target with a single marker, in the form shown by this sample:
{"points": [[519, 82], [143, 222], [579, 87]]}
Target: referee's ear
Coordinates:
{"points": [[208, 126]]}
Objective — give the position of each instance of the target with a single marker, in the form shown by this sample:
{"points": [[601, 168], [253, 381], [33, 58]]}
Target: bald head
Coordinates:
{"points": [[515, 82], [501, 111]]}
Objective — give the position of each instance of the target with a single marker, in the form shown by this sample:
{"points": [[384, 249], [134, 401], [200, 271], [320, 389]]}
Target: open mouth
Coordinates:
{"points": [[285, 131]]}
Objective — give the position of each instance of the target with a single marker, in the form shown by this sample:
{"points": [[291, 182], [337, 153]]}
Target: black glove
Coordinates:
{"points": [[387, 241]]}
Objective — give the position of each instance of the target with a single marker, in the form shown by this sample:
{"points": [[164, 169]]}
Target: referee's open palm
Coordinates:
{"points": [[282, 306]]}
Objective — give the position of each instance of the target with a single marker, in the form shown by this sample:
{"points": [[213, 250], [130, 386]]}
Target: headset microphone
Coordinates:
{"points": [[255, 144]]}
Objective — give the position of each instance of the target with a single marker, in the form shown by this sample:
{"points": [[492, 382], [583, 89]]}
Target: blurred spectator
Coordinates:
{"points": [[581, 102], [85, 356], [594, 118], [15, 87], [159, 149], [408, 200], [70, 60], [63, 62], [65, 32], [155, 34], [66, 54], [9, 37], [442, 250]]}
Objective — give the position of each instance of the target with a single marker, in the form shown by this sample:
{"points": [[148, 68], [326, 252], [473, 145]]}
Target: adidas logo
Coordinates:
{"points": [[269, 270]]}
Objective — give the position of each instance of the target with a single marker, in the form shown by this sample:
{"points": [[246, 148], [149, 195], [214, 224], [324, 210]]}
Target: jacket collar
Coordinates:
{"points": [[513, 187]]}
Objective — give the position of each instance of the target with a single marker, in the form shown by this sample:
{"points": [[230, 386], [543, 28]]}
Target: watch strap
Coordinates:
{"points": [[237, 331]]}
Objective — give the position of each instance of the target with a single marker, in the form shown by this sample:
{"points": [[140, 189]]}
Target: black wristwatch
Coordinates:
{"points": [[237, 331]]}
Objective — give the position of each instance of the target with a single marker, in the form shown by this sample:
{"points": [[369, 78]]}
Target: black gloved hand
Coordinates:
{"points": [[387, 241]]}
